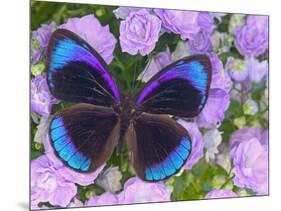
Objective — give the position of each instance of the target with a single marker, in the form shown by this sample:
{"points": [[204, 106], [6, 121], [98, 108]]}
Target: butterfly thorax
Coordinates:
{"points": [[127, 115]]}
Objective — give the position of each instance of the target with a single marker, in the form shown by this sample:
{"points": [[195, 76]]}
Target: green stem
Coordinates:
{"points": [[227, 181]]}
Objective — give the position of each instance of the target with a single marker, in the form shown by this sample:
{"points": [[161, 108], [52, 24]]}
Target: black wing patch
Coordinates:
{"points": [[84, 136], [159, 146]]}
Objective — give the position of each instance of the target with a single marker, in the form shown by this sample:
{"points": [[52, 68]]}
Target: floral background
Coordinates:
{"points": [[230, 136]]}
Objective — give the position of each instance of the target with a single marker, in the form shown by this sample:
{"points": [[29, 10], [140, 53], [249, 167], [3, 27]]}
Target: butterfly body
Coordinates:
{"points": [[84, 135]]}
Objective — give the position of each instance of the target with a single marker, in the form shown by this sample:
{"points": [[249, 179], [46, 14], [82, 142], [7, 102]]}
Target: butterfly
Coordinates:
{"points": [[85, 134]]}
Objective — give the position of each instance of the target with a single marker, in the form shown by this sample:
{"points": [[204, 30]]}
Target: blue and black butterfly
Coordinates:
{"points": [[84, 135]]}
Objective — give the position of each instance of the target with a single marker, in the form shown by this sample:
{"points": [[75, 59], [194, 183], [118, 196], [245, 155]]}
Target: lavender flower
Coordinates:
{"points": [[201, 43], [212, 116], [40, 40], [124, 12], [250, 68], [42, 130], [237, 69], [138, 191], [139, 32], [257, 70], [68, 173], [49, 185], [184, 23], [75, 203], [106, 198], [220, 78], [110, 180], [249, 153], [212, 139], [218, 96], [41, 98], [206, 22], [197, 143], [99, 37], [252, 38], [220, 193], [158, 62]]}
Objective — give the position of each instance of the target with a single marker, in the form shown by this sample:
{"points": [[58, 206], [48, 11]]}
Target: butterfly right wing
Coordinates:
{"points": [[180, 89], [159, 146], [84, 136]]}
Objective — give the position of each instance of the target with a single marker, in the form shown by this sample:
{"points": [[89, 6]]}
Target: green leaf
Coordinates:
{"points": [[196, 183], [37, 69]]}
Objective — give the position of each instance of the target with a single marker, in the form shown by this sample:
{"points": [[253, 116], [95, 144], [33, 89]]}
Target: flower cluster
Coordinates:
{"points": [[229, 154]]}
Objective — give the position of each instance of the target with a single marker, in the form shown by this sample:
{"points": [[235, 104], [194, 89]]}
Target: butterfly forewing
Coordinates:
{"points": [[76, 72], [84, 136], [180, 89], [159, 146]]}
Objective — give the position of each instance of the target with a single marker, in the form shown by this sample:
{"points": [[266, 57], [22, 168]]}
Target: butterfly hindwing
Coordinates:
{"points": [[77, 73], [180, 89], [159, 146], [84, 136]]}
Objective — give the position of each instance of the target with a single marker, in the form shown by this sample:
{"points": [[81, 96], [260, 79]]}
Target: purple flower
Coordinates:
{"points": [[252, 37], [139, 32], [41, 37], [35, 55], [184, 23], [212, 139], [49, 185], [68, 173], [99, 37], [220, 193], [75, 203], [197, 143], [237, 69], [160, 61], [220, 79], [201, 43], [249, 153], [41, 98], [213, 112], [106, 198], [110, 180], [247, 70], [218, 96], [138, 191], [206, 22], [257, 70], [124, 12], [42, 130]]}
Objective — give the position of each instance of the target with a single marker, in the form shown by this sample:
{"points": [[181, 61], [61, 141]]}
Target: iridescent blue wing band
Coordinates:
{"points": [[180, 89], [83, 136], [160, 147], [77, 73]]}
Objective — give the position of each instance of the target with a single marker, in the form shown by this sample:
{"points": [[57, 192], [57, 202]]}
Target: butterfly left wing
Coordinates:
{"points": [[77, 73], [180, 89], [159, 146], [83, 136]]}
